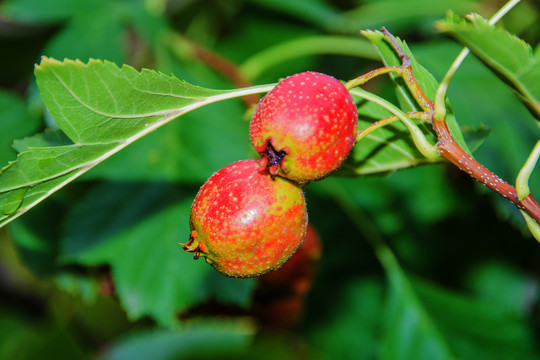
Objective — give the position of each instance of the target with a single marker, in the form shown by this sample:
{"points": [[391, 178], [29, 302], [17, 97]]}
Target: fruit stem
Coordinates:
{"points": [[420, 141], [417, 115], [522, 181], [361, 80]]}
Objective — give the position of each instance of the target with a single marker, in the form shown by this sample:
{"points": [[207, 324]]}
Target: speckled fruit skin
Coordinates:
{"points": [[246, 222], [311, 119]]}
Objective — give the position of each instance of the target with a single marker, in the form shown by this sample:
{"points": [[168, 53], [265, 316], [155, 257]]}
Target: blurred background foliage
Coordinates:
{"points": [[420, 263]]}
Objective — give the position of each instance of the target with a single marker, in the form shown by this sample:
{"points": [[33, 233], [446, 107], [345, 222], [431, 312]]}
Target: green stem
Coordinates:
{"points": [[259, 63], [440, 108], [533, 226], [418, 115], [503, 11], [361, 80], [522, 181]]}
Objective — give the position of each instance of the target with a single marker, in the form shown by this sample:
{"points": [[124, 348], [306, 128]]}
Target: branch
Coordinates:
{"points": [[451, 151]]}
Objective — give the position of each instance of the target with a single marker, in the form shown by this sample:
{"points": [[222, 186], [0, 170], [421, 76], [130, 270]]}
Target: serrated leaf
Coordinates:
{"points": [[511, 58], [136, 228], [425, 79], [101, 109], [385, 150]]}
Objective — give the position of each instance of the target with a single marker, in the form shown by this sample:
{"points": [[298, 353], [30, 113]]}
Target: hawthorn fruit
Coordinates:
{"points": [[246, 222], [305, 127]]}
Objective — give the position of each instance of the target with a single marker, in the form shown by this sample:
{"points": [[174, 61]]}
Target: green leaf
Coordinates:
{"points": [[356, 312], [385, 150], [483, 101], [467, 322], [101, 109], [203, 339], [425, 79], [136, 228], [184, 150], [511, 58], [404, 312], [503, 285]]}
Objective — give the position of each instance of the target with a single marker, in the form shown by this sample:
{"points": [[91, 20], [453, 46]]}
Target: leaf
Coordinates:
{"points": [[101, 109], [511, 58], [385, 150], [136, 228], [425, 79], [356, 312], [483, 101], [203, 339], [187, 150], [425, 321], [467, 322], [404, 312], [504, 286]]}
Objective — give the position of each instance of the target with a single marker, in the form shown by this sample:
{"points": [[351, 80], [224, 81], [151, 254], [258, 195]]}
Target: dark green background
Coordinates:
{"points": [[460, 279]]}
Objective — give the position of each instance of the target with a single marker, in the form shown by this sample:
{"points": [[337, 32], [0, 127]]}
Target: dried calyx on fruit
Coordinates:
{"points": [[305, 127], [245, 222]]}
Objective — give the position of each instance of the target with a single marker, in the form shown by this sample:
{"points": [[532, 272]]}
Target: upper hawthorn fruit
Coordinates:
{"points": [[305, 127], [246, 222]]}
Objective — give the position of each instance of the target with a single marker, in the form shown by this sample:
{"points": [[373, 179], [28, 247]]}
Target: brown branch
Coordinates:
{"points": [[451, 151], [225, 67], [447, 146]]}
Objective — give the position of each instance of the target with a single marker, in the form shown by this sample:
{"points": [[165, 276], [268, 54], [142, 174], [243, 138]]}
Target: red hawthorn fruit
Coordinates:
{"points": [[305, 127], [246, 222]]}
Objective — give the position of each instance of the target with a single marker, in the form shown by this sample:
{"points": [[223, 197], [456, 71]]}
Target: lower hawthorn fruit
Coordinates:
{"points": [[246, 222], [305, 127]]}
